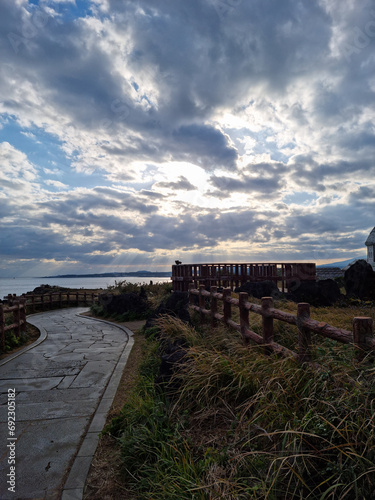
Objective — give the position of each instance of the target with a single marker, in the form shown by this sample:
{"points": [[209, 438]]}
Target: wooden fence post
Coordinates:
{"points": [[362, 328], [2, 326], [23, 314], [227, 306], [267, 322], [213, 306], [191, 296], [244, 314], [50, 301], [201, 301], [304, 334], [16, 318]]}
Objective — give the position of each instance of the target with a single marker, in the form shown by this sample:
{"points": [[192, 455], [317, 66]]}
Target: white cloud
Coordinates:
{"points": [[17, 173], [196, 126], [56, 184]]}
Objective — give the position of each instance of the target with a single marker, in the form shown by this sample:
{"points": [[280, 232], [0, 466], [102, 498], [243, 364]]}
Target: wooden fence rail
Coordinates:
{"points": [[19, 320], [362, 336]]}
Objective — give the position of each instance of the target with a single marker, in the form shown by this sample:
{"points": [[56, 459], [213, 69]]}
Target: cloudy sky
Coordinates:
{"points": [[134, 133]]}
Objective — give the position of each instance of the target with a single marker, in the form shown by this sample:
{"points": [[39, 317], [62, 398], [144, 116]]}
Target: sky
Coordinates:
{"points": [[134, 133]]}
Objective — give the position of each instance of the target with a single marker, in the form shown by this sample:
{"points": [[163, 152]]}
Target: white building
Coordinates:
{"points": [[370, 243]]}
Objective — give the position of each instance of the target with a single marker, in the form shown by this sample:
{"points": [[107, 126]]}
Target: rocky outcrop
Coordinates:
{"points": [[316, 293], [359, 280], [176, 305], [259, 289], [173, 358]]}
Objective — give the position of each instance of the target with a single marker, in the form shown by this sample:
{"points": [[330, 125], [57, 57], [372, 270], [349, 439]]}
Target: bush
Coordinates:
{"points": [[128, 301]]}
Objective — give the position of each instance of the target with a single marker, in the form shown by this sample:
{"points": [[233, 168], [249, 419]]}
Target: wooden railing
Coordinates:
{"points": [[285, 275], [29, 303], [361, 337], [53, 300], [19, 320]]}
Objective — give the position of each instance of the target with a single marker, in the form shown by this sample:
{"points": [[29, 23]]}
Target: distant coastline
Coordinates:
{"points": [[135, 274]]}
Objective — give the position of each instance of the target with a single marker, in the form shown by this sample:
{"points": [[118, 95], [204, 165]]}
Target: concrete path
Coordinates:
{"points": [[63, 387]]}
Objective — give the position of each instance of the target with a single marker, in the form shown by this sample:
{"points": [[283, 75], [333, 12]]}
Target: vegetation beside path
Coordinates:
{"points": [[231, 423]]}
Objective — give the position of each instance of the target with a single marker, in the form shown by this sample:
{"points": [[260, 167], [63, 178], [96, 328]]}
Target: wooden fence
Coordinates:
{"points": [[284, 275], [53, 300], [362, 336], [18, 308], [29, 303]]}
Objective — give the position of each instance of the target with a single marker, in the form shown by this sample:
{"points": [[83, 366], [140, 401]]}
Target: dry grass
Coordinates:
{"points": [[252, 427]]}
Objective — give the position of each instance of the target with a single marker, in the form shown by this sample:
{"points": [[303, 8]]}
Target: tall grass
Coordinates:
{"points": [[242, 425]]}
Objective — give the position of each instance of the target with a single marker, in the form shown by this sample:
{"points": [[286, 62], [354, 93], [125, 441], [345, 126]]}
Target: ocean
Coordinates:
{"points": [[24, 285]]}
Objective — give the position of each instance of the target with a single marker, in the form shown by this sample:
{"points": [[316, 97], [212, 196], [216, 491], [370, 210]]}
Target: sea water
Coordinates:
{"points": [[24, 285]]}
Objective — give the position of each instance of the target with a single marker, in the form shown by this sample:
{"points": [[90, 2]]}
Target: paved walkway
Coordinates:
{"points": [[64, 388]]}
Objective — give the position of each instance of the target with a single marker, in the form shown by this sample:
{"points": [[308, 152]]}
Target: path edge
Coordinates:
{"points": [[42, 338], [73, 488]]}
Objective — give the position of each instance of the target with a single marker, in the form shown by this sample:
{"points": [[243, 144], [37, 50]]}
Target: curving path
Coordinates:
{"points": [[64, 388]]}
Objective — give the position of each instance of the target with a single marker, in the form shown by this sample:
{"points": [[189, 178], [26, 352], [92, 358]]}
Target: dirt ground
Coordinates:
{"points": [[104, 478]]}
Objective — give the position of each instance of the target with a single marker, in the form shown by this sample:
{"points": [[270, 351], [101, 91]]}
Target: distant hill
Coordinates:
{"points": [[342, 263], [135, 274]]}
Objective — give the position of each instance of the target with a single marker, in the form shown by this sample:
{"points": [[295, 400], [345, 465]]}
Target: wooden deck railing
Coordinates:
{"points": [[19, 320], [361, 337], [285, 275]]}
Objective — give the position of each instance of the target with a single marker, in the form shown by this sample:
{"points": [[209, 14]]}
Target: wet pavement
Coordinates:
{"points": [[63, 388]]}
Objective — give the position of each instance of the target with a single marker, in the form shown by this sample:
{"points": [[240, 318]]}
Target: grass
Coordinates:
{"points": [[235, 424], [14, 342], [242, 425]]}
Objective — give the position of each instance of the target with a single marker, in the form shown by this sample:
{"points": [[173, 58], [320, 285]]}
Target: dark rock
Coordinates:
{"points": [[176, 305], [329, 291], [123, 303], [42, 289], [360, 280], [316, 293], [303, 291], [172, 359], [259, 289]]}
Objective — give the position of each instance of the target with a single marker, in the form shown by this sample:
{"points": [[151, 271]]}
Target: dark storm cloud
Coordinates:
{"points": [[151, 194], [182, 184], [262, 179], [304, 168], [81, 205]]}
